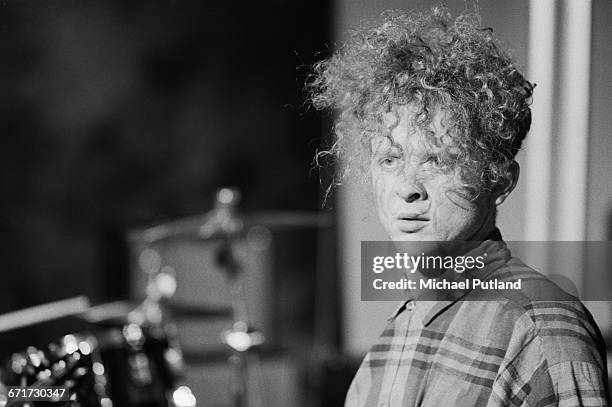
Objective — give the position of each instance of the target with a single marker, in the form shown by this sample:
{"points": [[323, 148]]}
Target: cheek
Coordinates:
{"points": [[453, 211], [381, 187], [455, 216]]}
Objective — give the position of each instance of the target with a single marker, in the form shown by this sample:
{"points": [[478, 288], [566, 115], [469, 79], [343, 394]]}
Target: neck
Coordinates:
{"points": [[487, 230]]}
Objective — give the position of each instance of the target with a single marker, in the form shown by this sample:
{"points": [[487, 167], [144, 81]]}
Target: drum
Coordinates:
{"points": [[118, 364], [143, 365], [73, 361]]}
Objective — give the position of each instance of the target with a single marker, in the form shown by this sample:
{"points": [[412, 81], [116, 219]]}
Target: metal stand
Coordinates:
{"points": [[240, 338], [221, 223]]}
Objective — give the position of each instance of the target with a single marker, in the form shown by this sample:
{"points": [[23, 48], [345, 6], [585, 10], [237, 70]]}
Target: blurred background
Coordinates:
{"points": [[123, 119]]}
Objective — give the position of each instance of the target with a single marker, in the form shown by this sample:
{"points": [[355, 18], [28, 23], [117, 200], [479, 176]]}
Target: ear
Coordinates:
{"points": [[502, 190]]}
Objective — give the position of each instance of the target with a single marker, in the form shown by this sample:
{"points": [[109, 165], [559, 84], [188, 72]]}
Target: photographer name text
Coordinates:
{"points": [[444, 284]]}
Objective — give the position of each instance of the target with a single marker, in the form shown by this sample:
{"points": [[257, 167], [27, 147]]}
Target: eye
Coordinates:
{"points": [[390, 162], [433, 160]]}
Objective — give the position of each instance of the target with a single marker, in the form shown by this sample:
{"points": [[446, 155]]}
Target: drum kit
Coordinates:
{"points": [[129, 354]]}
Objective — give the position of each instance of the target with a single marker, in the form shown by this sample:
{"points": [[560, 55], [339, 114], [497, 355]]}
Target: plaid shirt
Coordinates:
{"points": [[506, 352]]}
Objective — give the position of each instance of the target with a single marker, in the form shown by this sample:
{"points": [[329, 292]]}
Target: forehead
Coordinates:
{"points": [[404, 127]]}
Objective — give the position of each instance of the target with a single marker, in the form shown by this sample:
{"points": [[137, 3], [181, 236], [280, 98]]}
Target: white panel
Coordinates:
{"points": [[573, 121], [537, 174]]}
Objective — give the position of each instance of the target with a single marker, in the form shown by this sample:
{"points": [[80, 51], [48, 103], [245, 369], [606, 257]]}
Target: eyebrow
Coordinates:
{"points": [[386, 148]]}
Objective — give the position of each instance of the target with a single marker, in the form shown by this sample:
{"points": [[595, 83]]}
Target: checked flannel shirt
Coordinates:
{"points": [[513, 351]]}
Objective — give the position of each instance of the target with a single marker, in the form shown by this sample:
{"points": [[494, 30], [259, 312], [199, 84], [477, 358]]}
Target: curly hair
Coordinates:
{"points": [[434, 62]]}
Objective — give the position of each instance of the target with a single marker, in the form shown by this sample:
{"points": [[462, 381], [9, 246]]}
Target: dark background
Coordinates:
{"points": [[120, 114]]}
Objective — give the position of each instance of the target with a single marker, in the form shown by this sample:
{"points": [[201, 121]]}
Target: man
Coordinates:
{"points": [[435, 111]]}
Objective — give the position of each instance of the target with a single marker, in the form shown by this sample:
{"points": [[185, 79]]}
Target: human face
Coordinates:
{"points": [[417, 201]]}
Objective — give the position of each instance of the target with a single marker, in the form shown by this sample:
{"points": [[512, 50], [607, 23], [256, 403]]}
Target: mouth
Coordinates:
{"points": [[411, 223]]}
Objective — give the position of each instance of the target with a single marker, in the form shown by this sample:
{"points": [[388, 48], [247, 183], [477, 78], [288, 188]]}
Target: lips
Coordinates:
{"points": [[411, 223], [412, 216]]}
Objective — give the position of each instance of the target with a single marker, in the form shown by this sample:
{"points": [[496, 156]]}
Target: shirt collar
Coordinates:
{"points": [[497, 256]]}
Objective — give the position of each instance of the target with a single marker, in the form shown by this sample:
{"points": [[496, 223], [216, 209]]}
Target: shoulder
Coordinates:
{"points": [[566, 332], [558, 352], [559, 324]]}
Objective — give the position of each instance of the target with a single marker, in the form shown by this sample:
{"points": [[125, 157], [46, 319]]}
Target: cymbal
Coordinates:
{"points": [[44, 313], [109, 311], [189, 228], [119, 310]]}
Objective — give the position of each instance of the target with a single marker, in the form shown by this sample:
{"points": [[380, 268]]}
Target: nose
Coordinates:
{"points": [[410, 188]]}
